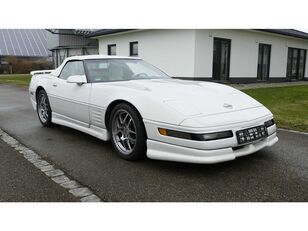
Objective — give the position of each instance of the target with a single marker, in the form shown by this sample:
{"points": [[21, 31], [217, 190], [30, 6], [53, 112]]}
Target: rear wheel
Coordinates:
{"points": [[43, 108], [128, 134]]}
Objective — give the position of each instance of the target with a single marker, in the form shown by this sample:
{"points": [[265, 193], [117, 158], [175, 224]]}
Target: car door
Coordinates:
{"points": [[70, 101]]}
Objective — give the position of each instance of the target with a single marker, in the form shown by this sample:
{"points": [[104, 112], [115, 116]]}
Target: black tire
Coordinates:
{"points": [[46, 121], [139, 150]]}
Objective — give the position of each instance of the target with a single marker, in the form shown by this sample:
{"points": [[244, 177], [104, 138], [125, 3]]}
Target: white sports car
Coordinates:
{"points": [[146, 113]]}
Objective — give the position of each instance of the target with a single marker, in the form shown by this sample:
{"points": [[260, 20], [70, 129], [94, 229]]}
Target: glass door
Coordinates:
{"points": [[296, 63], [301, 64], [264, 61], [221, 58]]}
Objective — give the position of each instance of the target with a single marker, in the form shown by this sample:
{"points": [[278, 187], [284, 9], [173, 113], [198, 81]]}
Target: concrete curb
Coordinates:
{"points": [[297, 132], [79, 191]]}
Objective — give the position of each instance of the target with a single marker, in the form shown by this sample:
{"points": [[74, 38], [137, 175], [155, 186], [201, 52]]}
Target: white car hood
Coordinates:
{"points": [[192, 98]]}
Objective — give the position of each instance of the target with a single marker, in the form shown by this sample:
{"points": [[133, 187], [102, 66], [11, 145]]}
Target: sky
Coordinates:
{"points": [[305, 30]]}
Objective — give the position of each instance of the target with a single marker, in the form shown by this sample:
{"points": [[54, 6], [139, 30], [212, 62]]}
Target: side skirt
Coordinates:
{"points": [[95, 131]]}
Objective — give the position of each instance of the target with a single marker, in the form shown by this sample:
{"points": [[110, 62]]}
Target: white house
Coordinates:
{"points": [[214, 54]]}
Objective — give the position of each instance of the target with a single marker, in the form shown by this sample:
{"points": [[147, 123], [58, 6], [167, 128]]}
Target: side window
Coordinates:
{"points": [[72, 68]]}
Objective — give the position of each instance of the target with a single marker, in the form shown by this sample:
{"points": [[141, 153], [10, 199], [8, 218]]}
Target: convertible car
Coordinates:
{"points": [[144, 112]]}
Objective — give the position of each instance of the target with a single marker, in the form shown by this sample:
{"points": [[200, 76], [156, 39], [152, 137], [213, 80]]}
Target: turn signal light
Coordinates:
{"points": [[163, 131], [269, 123], [198, 137]]}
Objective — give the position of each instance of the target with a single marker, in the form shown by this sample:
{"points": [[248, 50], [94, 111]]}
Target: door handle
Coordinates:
{"points": [[54, 85]]}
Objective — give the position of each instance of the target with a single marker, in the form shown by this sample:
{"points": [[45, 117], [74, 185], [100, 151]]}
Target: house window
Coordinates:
{"points": [[112, 49], [221, 58], [296, 63], [133, 48], [264, 61]]}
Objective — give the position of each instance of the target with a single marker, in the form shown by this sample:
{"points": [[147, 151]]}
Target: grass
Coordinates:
{"points": [[21, 79], [288, 104]]}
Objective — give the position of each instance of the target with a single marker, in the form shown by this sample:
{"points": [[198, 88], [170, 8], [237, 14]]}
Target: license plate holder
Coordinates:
{"points": [[252, 134]]}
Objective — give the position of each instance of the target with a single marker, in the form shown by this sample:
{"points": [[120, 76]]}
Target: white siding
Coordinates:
{"points": [[170, 50]]}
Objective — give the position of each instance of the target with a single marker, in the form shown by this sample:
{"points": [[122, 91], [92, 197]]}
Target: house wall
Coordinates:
{"points": [[244, 52], [189, 53], [170, 50]]}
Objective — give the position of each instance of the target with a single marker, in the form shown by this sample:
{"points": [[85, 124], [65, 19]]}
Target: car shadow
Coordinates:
{"points": [[249, 162]]}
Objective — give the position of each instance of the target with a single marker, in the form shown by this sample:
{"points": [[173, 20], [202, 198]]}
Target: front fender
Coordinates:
{"points": [[149, 107]]}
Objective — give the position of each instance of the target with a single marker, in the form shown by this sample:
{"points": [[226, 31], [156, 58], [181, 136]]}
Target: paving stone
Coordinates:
{"points": [[29, 152], [80, 192], [33, 159], [23, 150], [60, 179], [53, 173], [70, 185], [90, 198], [19, 148], [40, 163], [47, 168], [10, 140], [31, 156]]}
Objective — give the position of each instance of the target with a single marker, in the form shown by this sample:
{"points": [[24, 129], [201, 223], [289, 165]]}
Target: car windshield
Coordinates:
{"points": [[108, 70]]}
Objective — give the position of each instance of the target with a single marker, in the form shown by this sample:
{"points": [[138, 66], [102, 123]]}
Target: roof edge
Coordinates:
{"points": [[286, 32], [107, 32]]}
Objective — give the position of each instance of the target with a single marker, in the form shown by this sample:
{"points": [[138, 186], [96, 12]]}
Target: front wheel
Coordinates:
{"points": [[128, 134], [43, 108]]}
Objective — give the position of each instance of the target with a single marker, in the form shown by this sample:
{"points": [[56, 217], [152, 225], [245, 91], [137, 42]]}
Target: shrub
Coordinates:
{"points": [[26, 65]]}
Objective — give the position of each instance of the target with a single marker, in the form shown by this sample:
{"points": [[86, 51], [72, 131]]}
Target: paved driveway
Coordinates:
{"points": [[279, 173]]}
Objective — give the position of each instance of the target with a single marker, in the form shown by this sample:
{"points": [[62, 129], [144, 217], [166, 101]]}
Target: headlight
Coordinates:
{"points": [[269, 123], [199, 137]]}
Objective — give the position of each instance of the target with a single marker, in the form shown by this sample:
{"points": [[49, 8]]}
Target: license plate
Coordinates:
{"points": [[251, 134]]}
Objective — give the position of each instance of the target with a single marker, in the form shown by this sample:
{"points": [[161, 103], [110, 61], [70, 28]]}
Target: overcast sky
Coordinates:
{"points": [[305, 30]]}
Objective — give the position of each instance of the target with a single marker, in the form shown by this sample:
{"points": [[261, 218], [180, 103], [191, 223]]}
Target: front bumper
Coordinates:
{"points": [[192, 151], [163, 151]]}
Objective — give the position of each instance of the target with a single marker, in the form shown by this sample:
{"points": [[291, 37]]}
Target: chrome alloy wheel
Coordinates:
{"points": [[124, 132], [43, 109]]}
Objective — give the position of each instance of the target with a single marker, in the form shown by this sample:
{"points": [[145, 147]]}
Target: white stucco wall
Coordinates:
{"points": [[189, 53], [244, 52], [170, 50]]}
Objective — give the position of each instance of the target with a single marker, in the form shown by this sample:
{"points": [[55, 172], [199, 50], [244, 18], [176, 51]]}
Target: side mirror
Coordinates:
{"points": [[78, 79]]}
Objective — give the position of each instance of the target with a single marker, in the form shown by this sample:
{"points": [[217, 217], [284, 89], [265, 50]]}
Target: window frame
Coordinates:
{"points": [[109, 46], [269, 61], [131, 45], [228, 58], [73, 60], [290, 65]]}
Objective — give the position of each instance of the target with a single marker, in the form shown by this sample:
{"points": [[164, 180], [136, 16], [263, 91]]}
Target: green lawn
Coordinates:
{"points": [[23, 80], [288, 104]]}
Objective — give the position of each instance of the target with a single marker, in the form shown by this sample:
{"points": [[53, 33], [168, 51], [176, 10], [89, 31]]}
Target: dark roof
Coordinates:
{"points": [[72, 46], [81, 32], [23, 42], [106, 31], [287, 32]]}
